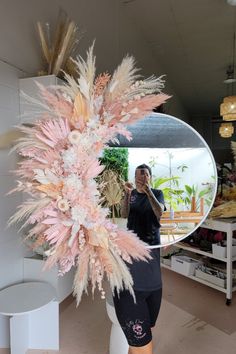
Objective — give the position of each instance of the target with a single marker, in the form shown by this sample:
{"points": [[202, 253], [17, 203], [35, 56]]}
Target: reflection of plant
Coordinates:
{"points": [[57, 50], [116, 159], [182, 168], [112, 191], [193, 191], [175, 196], [172, 195]]}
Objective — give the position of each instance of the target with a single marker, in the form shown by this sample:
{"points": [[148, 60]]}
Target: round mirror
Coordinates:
{"points": [[183, 168]]}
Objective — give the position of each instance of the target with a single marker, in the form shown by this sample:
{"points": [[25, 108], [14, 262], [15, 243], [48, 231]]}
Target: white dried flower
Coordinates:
{"points": [[69, 158], [74, 137], [63, 205], [79, 214], [73, 181]]}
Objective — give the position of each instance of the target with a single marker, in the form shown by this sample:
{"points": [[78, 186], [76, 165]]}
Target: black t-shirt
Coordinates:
{"points": [[143, 221]]}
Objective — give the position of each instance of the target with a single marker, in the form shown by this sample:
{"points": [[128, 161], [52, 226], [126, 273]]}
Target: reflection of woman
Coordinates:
{"points": [[144, 207]]}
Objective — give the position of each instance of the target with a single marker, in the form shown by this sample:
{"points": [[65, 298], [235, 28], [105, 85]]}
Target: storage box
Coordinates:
{"points": [[210, 278], [218, 251], [221, 252], [184, 265]]}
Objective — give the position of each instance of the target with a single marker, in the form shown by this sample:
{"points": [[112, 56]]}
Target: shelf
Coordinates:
{"points": [[223, 225], [203, 253], [198, 279]]}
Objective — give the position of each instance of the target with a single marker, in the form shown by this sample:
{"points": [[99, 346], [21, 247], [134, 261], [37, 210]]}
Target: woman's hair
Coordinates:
{"points": [[145, 166]]}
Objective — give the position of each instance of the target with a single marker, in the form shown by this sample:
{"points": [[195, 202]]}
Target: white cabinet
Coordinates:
{"points": [[33, 271], [228, 226], [28, 113], [32, 312]]}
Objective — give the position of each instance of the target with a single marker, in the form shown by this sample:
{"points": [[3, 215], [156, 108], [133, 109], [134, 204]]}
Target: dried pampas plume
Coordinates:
{"points": [[10, 138], [59, 48]]}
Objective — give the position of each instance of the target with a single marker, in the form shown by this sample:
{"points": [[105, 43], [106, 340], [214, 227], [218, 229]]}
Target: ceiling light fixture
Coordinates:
{"points": [[230, 75], [228, 107], [226, 130]]}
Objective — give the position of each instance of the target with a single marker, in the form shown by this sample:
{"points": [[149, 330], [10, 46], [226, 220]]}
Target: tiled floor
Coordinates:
{"points": [[193, 319]]}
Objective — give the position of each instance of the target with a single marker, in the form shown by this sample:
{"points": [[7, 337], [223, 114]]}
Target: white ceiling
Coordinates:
{"points": [[189, 40]]}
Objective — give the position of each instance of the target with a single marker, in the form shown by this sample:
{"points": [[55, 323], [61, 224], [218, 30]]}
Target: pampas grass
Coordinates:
{"points": [[58, 49], [10, 138], [27, 208]]}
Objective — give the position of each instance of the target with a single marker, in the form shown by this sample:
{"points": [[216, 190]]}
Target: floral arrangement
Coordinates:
{"points": [[60, 165]]}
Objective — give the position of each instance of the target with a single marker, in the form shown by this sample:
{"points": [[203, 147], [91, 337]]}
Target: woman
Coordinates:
{"points": [[143, 206]]}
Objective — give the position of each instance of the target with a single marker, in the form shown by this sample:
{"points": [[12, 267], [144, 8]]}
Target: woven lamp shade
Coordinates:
{"points": [[228, 108], [226, 130]]}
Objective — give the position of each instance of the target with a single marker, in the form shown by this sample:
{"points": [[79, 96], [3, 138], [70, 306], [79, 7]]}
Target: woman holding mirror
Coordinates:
{"points": [[143, 206]]}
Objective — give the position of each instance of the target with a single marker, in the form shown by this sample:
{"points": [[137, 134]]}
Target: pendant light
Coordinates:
{"points": [[228, 107], [226, 130]]}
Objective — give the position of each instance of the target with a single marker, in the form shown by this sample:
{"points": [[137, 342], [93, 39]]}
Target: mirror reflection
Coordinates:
{"points": [[182, 168]]}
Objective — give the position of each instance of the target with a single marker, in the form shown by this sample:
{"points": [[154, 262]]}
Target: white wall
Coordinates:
{"points": [[11, 248], [115, 32]]}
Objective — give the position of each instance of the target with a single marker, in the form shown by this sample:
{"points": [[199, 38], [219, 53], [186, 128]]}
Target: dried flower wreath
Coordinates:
{"points": [[60, 165]]}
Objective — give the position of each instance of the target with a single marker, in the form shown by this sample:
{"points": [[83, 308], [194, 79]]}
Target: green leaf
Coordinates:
{"points": [[203, 192], [188, 189]]}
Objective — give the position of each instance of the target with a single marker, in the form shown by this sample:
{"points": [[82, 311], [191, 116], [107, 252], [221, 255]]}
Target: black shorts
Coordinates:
{"points": [[137, 319]]}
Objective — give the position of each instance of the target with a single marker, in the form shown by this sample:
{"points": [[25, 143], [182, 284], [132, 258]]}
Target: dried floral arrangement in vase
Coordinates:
{"points": [[60, 166], [60, 48]]}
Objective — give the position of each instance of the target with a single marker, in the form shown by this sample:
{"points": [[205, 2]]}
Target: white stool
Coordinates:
{"points": [[34, 316], [118, 341]]}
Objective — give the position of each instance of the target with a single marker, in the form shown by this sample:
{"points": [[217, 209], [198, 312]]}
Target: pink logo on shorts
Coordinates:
{"points": [[137, 328]]}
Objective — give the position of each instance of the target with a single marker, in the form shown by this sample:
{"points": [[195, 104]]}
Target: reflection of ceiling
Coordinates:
{"points": [[161, 131]]}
